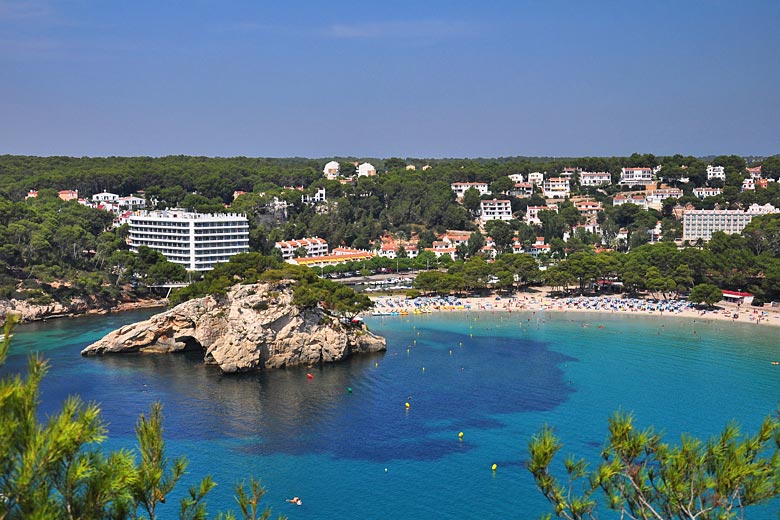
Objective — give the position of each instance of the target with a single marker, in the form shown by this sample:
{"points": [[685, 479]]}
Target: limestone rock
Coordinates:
{"points": [[251, 327]]}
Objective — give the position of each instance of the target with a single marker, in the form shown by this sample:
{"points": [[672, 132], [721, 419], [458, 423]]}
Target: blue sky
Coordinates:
{"points": [[432, 78]]}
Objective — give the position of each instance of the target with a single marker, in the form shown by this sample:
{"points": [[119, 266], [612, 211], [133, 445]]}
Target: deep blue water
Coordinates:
{"points": [[361, 454]]}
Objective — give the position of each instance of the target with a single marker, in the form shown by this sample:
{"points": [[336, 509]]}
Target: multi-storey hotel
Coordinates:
{"points": [[197, 241], [702, 223]]}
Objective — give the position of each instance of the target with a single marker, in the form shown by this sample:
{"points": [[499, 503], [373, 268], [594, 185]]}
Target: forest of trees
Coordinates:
{"points": [[54, 250]]}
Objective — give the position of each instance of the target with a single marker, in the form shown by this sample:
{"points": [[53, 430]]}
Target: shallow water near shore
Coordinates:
{"points": [[345, 442]]}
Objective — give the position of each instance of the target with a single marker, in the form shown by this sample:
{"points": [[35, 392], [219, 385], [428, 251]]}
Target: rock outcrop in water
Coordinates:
{"points": [[251, 327]]}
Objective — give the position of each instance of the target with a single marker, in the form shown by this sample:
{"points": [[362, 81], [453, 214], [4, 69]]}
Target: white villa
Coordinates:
{"points": [[105, 197], [522, 190], [657, 197], [635, 176], [331, 170], [460, 188], [536, 178], [705, 192], [621, 198], [595, 178], [131, 202], [366, 170], [716, 172], [532, 213]]}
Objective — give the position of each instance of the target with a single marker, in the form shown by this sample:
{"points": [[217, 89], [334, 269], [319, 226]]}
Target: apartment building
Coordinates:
{"points": [[314, 246], [702, 223], [556, 188], [495, 210], [197, 241]]}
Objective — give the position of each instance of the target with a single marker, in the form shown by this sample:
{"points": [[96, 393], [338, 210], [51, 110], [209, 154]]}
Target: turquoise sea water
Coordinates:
{"points": [[496, 377]]}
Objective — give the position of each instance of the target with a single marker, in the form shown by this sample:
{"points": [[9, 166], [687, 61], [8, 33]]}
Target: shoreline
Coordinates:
{"points": [[42, 313], [543, 302]]}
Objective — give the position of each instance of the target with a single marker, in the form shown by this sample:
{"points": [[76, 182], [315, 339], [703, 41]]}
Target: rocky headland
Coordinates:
{"points": [[251, 327]]}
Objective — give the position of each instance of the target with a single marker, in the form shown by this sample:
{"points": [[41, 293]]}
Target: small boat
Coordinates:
{"points": [[775, 362]]}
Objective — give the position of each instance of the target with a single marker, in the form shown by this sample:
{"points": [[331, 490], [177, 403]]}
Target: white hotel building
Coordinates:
{"points": [[702, 223], [197, 241]]}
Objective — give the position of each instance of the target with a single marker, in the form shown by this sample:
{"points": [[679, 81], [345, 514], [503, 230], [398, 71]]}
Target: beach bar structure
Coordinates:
{"points": [[738, 297]]}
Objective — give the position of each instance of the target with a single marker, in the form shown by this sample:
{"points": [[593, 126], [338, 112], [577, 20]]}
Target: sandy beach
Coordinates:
{"points": [[541, 301]]}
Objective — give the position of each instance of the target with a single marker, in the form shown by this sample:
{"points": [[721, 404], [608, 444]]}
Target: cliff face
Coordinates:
{"points": [[29, 312], [252, 327]]}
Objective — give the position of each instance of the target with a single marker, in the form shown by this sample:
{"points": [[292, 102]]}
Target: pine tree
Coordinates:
{"points": [[56, 469]]}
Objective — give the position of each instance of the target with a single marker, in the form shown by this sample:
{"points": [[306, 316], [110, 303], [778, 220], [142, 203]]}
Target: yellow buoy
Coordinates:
{"points": [[408, 406], [460, 435], [450, 352], [376, 364], [423, 369], [494, 467]]}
